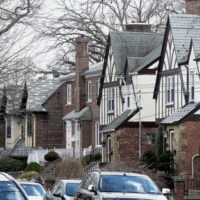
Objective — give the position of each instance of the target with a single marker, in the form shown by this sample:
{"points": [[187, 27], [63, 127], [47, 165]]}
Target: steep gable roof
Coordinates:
{"points": [[132, 44], [126, 45], [135, 64], [39, 92], [184, 27], [14, 95]]}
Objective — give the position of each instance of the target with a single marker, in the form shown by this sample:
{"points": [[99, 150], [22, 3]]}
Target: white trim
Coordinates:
{"points": [[89, 91], [69, 94]]}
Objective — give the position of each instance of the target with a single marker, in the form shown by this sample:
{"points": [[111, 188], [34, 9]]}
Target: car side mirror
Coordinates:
{"points": [[57, 195], [92, 188], [166, 191]]}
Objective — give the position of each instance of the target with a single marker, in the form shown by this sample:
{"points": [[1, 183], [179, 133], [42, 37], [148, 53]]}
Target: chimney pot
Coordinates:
{"points": [[138, 27]]}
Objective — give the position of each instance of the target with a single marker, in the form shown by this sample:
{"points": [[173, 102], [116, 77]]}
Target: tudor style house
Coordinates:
{"points": [[127, 125], [81, 113], [176, 91]]}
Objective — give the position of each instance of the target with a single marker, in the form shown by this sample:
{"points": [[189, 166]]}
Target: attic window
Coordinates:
{"points": [[170, 81], [111, 102], [191, 83]]}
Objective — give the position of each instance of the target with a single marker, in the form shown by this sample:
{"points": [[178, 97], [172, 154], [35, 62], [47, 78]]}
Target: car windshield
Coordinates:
{"points": [[71, 188], [128, 184], [9, 191], [33, 190]]}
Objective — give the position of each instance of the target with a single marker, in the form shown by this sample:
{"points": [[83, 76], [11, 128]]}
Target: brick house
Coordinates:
{"points": [[176, 90], [81, 111], [130, 62]]}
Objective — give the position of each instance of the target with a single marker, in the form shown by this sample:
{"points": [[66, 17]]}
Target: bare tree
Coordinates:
{"points": [[95, 18], [16, 17]]}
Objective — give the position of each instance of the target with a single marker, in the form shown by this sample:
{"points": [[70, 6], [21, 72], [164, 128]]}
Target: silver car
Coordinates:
{"points": [[107, 185], [63, 190]]}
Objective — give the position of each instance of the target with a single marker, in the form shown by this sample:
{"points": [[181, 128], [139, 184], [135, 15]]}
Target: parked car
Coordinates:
{"points": [[10, 189], [63, 190], [106, 185], [35, 191]]}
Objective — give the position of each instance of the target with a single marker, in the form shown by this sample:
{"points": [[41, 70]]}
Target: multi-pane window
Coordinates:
{"points": [[170, 89], [29, 125], [192, 77], [150, 138], [89, 91], [111, 102], [69, 94], [8, 127], [97, 134]]}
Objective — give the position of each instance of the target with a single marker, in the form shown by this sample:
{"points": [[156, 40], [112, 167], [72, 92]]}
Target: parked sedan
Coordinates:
{"points": [[63, 190], [35, 191]]}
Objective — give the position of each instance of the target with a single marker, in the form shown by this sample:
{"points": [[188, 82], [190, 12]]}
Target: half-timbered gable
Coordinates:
{"points": [[118, 100], [171, 89], [176, 91]]}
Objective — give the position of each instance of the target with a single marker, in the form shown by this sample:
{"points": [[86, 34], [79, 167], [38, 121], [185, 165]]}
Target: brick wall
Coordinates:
{"points": [[2, 132], [125, 142], [193, 7], [50, 126], [189, 146]]}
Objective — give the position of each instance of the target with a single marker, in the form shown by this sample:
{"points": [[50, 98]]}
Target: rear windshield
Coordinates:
{"points": [[33, 190], [9, 191], [127, 184], [71, 188]]}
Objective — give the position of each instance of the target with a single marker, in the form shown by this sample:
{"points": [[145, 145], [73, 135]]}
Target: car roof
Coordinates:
{"points": [[5, 177], [71, 180], [30, 183], [121, 173]]}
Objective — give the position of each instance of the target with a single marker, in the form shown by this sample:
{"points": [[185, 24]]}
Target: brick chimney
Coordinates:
{"points": [[82, 63], [138, 27], [192, 7]]}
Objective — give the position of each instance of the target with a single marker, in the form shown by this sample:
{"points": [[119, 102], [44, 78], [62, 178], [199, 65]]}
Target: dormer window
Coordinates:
{"points": [[89, 91], [111, 101], [191, 83], [170, 85]]}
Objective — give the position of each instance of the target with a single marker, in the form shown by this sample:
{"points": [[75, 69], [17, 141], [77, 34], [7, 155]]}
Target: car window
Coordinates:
{"points": [[87, 181], [71, 188], [33, 190], [59, 189], [95, 180], [9, 191], [128, 184], [55, 186]]}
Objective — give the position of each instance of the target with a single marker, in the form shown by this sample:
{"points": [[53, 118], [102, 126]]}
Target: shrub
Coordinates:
{"points": [[8, 164], [149, 158], [29, 174], [91, 158], [166, 162], [70, 168], [33, 166], [51, 156]]}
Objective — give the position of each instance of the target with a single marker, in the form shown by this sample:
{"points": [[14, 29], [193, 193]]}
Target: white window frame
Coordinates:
{"points": [[89, 91], [192, 86], [97, 134], [111, 100], [69, 94], [170, 90], [68, 133]]}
